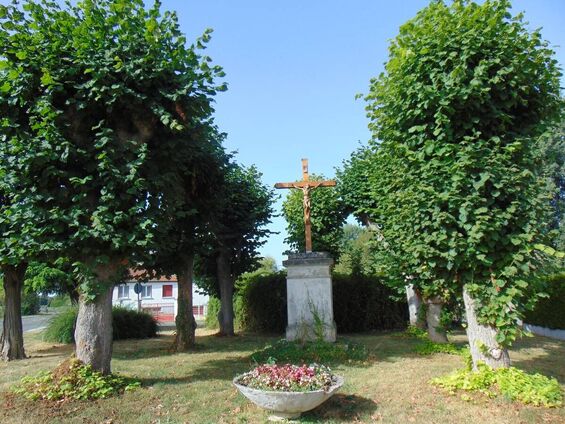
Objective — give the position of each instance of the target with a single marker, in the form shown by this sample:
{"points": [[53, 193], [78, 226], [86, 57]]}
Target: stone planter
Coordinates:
{"points": [[288, 405]]}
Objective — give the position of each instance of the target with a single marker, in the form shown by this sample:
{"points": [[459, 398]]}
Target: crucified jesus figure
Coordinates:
{"points": [[306, 185]]}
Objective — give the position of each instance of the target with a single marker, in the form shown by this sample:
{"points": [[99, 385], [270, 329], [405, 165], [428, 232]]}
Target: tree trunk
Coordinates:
{"points": [[414, 307], [482, 339], [93, 332], [433, 313], [12, 339], [186, 324], [225, 282]]}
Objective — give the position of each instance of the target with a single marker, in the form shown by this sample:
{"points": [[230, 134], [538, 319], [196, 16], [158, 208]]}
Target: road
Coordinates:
{"points": [[34, 322]]}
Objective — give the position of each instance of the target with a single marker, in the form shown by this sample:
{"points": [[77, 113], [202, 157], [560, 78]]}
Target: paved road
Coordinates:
{"points": [[34, 322]]}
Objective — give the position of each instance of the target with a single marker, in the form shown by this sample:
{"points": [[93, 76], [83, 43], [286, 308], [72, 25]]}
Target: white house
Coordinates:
{"points": [[158, 297]]}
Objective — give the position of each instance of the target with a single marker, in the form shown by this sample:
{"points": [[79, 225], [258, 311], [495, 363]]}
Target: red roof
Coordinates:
{"points": [[142, 274]]}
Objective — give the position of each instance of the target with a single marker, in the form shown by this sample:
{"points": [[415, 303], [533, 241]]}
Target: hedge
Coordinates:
{"points": [[550, 312], [126, 324], [360, 304]]}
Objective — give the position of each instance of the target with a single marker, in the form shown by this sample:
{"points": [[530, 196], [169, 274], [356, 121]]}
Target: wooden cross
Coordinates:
{"points": [[306, 185]]}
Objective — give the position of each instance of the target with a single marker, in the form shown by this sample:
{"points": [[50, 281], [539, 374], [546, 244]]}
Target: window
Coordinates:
{"points": [[146, 291], [167, 290], [123, 291]]}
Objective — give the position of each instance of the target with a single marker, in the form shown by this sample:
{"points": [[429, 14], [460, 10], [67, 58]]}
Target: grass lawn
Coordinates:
{"points": [[196, 387]]}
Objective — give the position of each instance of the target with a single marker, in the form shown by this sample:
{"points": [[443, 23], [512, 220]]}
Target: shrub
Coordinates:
{"points": [[212, 313], [126, 324], [550, 312], [514, 384], [363, 303], [61, 328], [319, 351], [211, 321], [131, 324], [263, 303], [31, 304], [74, 380]]}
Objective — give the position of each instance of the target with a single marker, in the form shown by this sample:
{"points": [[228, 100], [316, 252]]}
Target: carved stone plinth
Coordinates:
{"points": [[309, 297]]}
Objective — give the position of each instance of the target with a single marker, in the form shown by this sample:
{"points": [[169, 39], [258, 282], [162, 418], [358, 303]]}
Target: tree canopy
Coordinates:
{"points": [[456, 117], [93, 97]]}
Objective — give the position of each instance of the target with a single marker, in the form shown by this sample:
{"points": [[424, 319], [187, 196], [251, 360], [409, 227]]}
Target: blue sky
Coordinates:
{"points": [[294, 67]]}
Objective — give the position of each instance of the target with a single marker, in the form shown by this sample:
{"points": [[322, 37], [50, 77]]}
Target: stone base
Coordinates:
{"points": [[309, 297], [307, 332]]}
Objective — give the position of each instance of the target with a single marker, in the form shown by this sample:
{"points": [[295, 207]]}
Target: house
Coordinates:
{"points": [[158, 297]]}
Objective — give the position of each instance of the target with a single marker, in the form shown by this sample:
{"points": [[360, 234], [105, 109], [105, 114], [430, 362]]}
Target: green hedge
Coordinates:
{"points": [[360, 304], [364, 303], [263, 303], [126, 324], [550, 312]]}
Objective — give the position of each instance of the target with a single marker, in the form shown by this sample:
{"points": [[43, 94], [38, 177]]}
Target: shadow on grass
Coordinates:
{"points": [[53, 351], [341, 408], [218, 369], [164, 345], [551, 363]]}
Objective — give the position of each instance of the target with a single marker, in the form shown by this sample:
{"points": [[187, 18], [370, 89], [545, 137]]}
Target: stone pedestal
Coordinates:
{"points": [[309, 297]]}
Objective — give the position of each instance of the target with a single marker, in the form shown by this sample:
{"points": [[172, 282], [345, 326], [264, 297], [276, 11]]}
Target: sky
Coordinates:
{"points": [[293, 69]]}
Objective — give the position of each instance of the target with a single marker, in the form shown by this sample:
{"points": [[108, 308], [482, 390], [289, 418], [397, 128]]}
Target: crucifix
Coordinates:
{"points": [[306, 185]]}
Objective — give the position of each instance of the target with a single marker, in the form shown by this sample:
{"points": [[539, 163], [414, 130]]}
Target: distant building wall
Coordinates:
{"points": [[158, 298]]}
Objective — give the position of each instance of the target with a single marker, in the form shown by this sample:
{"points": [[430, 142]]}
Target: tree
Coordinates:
{"points": [[243, 207], [89, 94], [51, 278], [466, 92], [180, 214], [327, 216], [355, 255], [552, 146]]}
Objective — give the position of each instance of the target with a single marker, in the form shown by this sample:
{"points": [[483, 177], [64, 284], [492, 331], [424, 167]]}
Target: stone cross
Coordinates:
{"points": [[306, 185]]}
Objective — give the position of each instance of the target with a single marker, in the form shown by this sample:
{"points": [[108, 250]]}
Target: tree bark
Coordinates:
{"points": [[225, 281], [436, 332], [12, 339], [185, 322], [93, 332], [414, 307], [482, 338]]}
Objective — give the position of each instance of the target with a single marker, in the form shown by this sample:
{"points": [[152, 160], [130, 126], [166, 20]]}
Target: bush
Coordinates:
{"points": [[31, 303], [131, 324], [214, 305], [360, 304], [126, 324], [263, 303], [212, 313], [512, 383], [320, 351], [61, 328], [74, 380], [364, 303], [550, 312]]}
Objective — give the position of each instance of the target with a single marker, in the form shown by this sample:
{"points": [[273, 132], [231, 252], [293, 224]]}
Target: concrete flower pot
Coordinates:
{"points": [[288, 405]]}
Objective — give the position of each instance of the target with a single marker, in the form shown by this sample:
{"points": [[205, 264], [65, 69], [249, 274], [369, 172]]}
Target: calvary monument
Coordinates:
{"points": [[309, 280]]}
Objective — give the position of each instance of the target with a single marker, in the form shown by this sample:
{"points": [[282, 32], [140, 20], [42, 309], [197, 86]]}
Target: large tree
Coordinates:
{"points": [[181, 216], [89, 93], [242, 208], [456, 116]]}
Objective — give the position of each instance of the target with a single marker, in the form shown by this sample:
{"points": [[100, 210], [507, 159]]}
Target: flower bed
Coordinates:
{"points": [[288, 378]]}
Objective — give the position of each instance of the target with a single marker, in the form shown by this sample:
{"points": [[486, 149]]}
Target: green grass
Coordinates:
{"points": [[393, 387]]}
